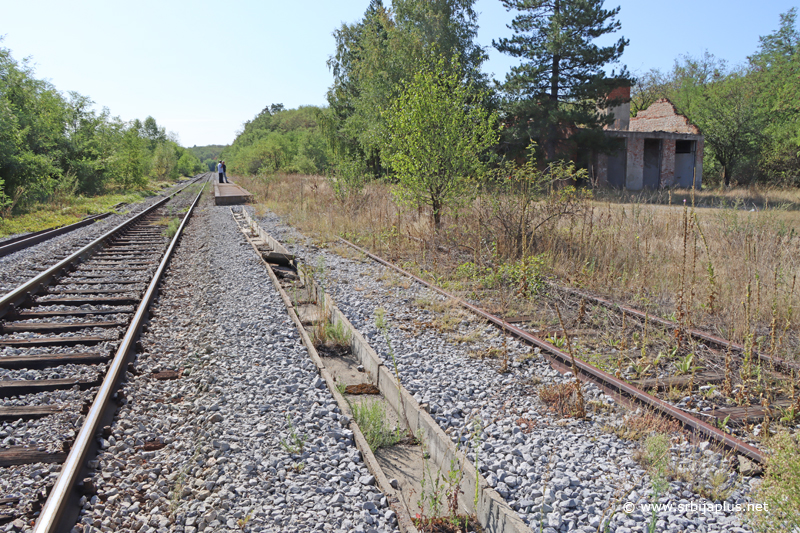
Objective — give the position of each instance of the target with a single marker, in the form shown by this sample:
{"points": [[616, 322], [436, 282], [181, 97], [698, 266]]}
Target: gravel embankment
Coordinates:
{"points": [[252, 438], [569, 475]]}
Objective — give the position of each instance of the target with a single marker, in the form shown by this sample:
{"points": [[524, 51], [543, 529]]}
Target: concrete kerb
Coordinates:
{"points": [[396, 500], [493, 513]]}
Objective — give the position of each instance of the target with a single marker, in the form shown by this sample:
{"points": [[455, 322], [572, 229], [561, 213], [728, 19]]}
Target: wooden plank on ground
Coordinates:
{"points": [[17, 387], [51, 341], [47, 360], [701, 378]]}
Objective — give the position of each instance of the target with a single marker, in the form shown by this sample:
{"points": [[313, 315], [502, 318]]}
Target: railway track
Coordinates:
{"points": [[717, 363], [66, 336], [613, 385]]}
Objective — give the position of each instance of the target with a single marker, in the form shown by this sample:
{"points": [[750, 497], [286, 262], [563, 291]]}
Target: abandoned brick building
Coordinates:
{"points": [[658, 148]]}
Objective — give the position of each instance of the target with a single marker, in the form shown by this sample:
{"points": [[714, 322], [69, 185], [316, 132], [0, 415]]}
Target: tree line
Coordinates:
{"points": [[749, 113], [408, 89], [55, 143], [409, 102], [279, 140]]}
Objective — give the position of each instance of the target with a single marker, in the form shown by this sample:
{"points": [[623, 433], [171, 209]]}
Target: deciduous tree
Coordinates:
{"points": [[436, 131]]}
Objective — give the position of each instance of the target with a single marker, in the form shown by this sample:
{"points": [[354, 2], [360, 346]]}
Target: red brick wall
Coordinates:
{"points": [[667, 162], [662, 116]]}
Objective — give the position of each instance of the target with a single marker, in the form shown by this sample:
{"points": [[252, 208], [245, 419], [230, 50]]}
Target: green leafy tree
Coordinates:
{"points": [[436, 131], [561, 82], [188, 164], [164, 161], [377, 55], [776, 68], [729, 118], [131, 162]]}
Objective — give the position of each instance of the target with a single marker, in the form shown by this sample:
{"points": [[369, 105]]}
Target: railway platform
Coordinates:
{"points": [[230, 194]]}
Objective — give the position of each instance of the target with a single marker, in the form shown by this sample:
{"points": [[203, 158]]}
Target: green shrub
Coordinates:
{"points": [[780, 488]]}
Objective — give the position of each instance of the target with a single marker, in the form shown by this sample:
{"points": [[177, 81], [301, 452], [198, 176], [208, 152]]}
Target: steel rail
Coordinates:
{"points": [[779, 362], [14, 245], [611, 384], [58, 499], [33, 285]]}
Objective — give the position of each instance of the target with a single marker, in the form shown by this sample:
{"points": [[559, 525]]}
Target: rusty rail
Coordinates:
{"points": [[777, 362], [611, 384]]}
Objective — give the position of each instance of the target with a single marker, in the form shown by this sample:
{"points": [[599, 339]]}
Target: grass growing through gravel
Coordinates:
{"points": [[643, 249], [371, 419], [332, 334]]}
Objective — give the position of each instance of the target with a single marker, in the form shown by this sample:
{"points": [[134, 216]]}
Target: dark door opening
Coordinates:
{"points": [[652, 164]]}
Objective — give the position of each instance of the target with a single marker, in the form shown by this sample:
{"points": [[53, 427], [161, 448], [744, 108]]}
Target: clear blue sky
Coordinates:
{"points": [[203, 68]]}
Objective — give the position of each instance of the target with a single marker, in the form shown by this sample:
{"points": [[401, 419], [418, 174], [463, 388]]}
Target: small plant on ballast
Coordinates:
{"points": [[684, 366], [295, 444], [371, 419], [580, 405]]}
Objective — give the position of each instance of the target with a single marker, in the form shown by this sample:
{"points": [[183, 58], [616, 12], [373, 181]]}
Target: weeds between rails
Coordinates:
{"points": [[727, 270], [670, 260]]}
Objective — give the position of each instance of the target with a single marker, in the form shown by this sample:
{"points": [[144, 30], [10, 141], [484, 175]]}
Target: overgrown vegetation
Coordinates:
{"points": [[278, 140], [748, 113], [371, 419], [780, 488], [54, 147]]}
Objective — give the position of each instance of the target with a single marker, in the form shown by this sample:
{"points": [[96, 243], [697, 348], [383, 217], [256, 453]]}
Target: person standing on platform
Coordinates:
{"points": [[225, 172], [221, 171]]}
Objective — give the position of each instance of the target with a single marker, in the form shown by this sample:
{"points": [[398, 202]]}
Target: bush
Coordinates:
{"points": [[780, 488]]}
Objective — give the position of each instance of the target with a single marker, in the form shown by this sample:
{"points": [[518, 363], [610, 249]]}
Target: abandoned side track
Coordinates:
{"points": [[612, 385], [63, 328]]}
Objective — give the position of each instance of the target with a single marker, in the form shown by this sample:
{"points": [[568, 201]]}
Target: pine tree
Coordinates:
{"points": [[561, 82]]}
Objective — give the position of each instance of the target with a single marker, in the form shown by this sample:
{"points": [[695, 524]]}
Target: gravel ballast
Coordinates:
{"points": [[18, 267], [559, 474], [248, 438]]}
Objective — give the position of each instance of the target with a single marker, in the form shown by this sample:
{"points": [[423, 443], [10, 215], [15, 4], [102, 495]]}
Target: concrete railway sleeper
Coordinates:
{"points": [[57, 337]]}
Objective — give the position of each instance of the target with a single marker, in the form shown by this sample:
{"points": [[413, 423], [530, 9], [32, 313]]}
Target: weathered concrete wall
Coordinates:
{"points": [[662, 116], [635, 165], [698, 162]]}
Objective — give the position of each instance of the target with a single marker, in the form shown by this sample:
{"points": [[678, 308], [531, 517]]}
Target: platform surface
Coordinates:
{"points": [[230, 194]]}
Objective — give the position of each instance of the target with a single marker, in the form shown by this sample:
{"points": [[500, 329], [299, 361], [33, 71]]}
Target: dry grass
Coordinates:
{"points": [[561, 398], [637, 427], [727, 269]]}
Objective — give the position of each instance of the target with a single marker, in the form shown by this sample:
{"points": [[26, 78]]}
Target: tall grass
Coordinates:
{"points": [[663, 257]]}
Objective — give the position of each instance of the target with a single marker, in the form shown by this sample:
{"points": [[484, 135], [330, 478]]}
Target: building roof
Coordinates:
{"points": [[662, 116]]}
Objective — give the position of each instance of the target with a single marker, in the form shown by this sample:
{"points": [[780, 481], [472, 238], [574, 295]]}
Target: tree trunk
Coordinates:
{"points": [[726, 176], [552, 141]]}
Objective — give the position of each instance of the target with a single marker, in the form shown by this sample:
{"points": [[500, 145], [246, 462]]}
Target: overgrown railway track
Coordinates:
{"points": [[613, 385], [72, 328]]}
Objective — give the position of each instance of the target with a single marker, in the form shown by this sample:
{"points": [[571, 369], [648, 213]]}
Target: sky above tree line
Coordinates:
{"points": [[202, 68]]}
